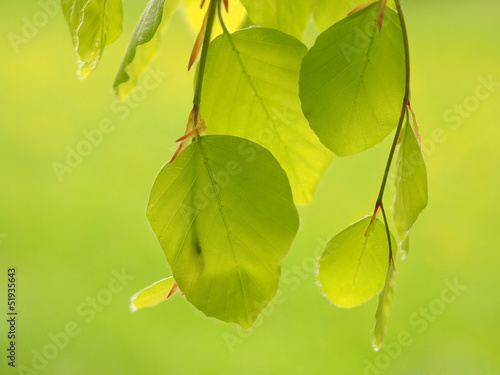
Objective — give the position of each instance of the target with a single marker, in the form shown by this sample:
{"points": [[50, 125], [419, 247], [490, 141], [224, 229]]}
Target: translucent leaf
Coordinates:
{"points": [[352, 81], [353, 266], [251, 90], [233, 19], [224, 216], [93, 24], [384, 308], [153, 294], [289, 16], [143, 45], [411, 183]]}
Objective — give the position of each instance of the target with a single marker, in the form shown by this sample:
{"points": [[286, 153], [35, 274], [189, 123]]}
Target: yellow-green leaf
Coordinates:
{"points": [[251, 90], [153, 294], [224, 216], [352, 81], [143, 45], [353, 266], [411, 183], [93, 25]]}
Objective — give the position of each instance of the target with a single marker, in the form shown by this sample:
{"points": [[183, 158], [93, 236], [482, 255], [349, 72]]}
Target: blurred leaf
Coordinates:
{"points": [[153, 294], [289, 16], [405, 247], [328, 12], [233, 19], [143, 45], [224, 215], [353, 266], [411, 183], [251, 90], [384, 308], [93, 24], [352, 81]]}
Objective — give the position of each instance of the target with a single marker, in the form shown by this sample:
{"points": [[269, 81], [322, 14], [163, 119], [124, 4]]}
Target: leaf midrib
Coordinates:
{"points": [[261, 99], [226, 227]]}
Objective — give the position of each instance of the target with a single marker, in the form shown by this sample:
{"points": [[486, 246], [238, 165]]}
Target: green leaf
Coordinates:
{"points": [[143, 45], [153, 294], [289, 16], [93, 24], [224, 216], [384, 308], [411, 183], [353, 266], [251, 91], [328, 12], [352, 81]]}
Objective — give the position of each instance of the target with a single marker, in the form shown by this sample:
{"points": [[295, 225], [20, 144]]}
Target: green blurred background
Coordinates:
{"points": [[67, 238]]}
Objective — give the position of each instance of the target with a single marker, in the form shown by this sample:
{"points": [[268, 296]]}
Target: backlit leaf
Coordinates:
{"points": [[289, 16], [251, 90], [153, 294], [93, 24], [352, 81], [353, 266], [143, 45], [224, 216], [411, 183]]}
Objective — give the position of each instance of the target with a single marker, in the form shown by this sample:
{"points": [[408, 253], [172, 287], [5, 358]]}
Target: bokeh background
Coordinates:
{"points": [[66, 238]]}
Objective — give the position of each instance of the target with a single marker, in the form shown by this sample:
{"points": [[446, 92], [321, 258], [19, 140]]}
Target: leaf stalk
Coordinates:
{"points": [[406, 100], [203, 60]]}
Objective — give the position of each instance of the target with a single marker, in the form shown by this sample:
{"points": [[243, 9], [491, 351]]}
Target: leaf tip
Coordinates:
{"points": [[132, 306]]}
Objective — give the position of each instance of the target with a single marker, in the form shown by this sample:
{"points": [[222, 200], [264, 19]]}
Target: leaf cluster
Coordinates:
{"points": [[224, 207]]}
